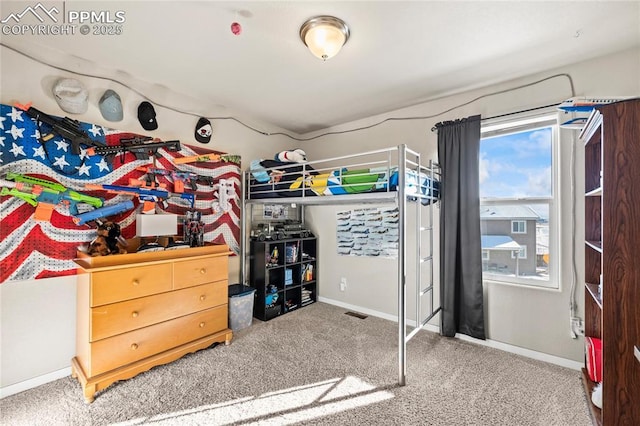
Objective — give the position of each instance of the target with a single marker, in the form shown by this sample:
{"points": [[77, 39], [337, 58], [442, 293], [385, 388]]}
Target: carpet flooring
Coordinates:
{"points": [[318, 366]]}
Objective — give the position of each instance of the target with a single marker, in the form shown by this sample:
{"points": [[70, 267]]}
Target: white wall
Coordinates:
{"points": [[529, 318], [38, 317]]}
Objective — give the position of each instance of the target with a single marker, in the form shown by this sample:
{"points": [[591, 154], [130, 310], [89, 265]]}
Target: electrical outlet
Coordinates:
{"points": [[577, 326], [343, 284]]}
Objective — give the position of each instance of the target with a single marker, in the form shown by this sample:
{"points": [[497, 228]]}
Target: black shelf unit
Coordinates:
{"points": [[292, 276]]}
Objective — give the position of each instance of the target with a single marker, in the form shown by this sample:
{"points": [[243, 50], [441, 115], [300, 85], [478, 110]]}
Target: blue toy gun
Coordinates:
{"points": [[97, 214], [149, 197], [44, 195]]}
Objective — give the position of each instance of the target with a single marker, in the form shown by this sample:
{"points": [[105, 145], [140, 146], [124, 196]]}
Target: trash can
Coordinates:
{"points": [[240, 306]]}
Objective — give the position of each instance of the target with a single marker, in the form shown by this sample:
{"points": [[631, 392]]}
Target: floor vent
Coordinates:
{"points": [[356, 314]]}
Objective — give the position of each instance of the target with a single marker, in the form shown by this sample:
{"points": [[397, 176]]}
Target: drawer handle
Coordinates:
{"points": [[134, 314], [201, 324], [135, 282], [134, 346], [202, 298], [203, 271]]}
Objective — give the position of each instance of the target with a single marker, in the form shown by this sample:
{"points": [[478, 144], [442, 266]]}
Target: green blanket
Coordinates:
{"points": [[355, 181]]}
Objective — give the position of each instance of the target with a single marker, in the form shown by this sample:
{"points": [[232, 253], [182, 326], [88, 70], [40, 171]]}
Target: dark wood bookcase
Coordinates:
{"points": [[611, 140], [284, 274]]}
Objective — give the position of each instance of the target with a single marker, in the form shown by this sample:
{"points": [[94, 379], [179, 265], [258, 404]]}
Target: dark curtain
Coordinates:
{"points": [[460, 247]]}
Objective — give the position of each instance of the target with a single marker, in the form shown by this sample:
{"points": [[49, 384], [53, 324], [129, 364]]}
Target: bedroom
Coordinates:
{"points": [[38, 316]]}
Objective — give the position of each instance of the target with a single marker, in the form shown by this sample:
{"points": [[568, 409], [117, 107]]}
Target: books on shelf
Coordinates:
{"points": [[307, 273], [306, 297]]}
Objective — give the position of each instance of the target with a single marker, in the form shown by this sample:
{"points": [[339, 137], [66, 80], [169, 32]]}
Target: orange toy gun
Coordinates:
{"points": [[179, 178]]}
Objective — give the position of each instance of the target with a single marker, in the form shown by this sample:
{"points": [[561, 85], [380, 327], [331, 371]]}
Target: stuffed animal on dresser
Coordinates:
{"points": [[106, 242]]}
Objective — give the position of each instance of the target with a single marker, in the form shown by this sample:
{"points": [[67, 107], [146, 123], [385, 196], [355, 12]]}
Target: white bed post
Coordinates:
{"points": [[243, 228], [402, 265]]}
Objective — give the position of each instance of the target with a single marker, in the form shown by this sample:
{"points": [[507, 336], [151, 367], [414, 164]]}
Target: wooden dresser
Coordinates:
{"points": [[139, 310]]}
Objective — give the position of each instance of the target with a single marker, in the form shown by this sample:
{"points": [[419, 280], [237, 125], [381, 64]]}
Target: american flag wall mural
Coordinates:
{"points": [[33, 249]]}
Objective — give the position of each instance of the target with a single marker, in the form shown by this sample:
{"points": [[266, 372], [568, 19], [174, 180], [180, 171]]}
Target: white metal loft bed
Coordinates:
{"points": [[395, 175]]}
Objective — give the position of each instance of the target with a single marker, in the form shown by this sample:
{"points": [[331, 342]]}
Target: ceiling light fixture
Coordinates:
{"points": [[324, 36]]}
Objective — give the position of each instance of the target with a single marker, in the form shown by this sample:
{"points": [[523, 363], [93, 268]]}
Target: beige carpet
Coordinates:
{"points": [[318, 366]]}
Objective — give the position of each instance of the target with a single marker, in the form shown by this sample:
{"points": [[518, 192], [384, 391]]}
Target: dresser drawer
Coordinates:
{"points": [[121, 317], [200, 271], [123, 349], [128, 283]]}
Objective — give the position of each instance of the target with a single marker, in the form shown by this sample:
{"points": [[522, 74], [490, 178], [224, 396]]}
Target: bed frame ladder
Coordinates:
{"points": [[424, 285]]}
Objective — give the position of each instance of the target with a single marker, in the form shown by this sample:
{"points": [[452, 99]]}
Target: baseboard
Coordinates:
{"points": [[34, 382], [540, 356], [552, 359], [358, 309]]}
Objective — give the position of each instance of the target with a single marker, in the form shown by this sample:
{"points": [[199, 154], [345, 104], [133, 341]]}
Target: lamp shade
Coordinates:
{"points": [[324, 36]]}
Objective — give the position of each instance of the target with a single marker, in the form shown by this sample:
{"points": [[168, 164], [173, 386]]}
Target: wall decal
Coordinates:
{"points": [[368, 232]]}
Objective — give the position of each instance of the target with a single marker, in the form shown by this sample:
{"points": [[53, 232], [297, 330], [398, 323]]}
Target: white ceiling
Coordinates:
{"points": [[399, 54]]}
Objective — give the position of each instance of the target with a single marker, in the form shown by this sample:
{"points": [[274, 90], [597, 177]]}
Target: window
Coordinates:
{"points": [[518, 227], [522, 253], [518, 201]]}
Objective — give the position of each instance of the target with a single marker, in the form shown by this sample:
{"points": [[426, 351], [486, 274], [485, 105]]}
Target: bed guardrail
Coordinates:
{"points": [[366, 172]]}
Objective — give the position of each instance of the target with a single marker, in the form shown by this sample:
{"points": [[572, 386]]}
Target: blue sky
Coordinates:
{"points": [[516, 165]]}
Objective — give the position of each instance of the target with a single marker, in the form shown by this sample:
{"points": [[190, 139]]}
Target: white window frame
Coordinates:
{"points": [[522, 254], [486, 255], [524, 226], [517, 125]]}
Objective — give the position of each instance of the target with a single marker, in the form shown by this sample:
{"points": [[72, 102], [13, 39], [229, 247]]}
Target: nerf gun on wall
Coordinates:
{"points": [[178, 177], [100, 213], [149, 197], [207, 157], [44, 195], [8, 188], [137, 146], [64, 127]]}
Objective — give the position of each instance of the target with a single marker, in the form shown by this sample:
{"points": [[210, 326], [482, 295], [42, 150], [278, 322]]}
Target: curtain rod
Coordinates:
{"points": [[434, 128]]}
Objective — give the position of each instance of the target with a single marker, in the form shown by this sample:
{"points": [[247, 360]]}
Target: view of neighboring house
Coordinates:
{"points": [[509, 239]]}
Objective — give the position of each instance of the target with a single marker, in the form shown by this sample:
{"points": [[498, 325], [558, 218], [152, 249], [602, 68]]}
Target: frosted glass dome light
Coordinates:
{"points": [[324, 36]]}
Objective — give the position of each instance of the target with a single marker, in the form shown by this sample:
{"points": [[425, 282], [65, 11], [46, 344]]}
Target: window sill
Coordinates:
{"points": [[550, 286]]}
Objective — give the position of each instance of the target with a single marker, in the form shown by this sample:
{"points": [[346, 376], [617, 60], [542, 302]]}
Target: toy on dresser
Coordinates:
{"points": [[107, 242]]}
